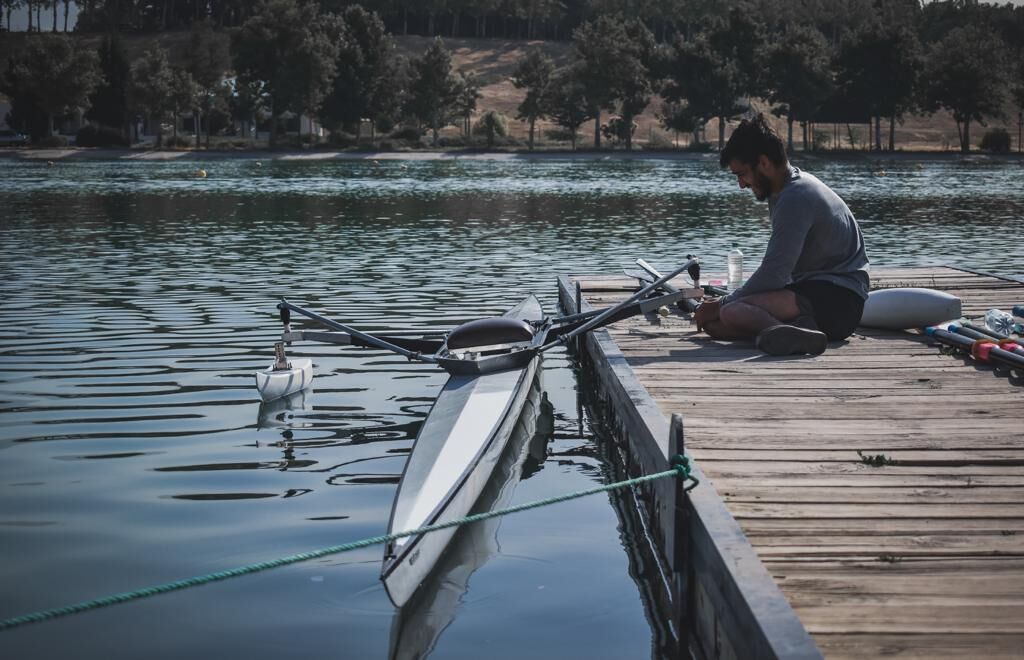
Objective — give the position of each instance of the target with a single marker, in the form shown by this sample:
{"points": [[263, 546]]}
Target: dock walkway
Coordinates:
{"points": [[880, 484]]}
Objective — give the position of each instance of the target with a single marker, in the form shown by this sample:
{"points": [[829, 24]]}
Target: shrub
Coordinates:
{"points": [[342, 140], [617, 129], [407, 134], [99, 136], [659, 140], [491, 124], [996, 140], [52, 141], [178, 141], [559, 134]]}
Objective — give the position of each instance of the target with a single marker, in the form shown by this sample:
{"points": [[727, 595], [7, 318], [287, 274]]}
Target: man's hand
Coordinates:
{"points": [[706, 312]]}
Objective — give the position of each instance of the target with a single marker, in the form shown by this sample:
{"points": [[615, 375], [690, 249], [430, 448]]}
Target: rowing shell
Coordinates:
{"points": [[455, 453]]}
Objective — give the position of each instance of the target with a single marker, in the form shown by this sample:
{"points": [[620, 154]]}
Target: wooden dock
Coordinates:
{"points": [[866, 502]]}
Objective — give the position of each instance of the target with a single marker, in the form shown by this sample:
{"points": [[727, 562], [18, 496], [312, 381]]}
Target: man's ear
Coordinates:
{"points": [[765, 165]]}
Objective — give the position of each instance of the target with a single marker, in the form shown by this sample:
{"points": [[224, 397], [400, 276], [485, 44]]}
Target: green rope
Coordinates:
{"points": [[680, 467]]}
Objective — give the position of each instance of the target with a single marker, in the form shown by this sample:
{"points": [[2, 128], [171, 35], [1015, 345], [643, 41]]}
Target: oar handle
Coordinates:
{"points": [[362, 336]]}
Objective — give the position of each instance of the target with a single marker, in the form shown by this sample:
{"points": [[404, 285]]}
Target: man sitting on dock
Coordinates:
{"points": [[811, 286]]}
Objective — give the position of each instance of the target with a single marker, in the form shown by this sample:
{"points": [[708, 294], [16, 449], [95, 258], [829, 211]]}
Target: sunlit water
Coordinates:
{"points": [[139, 299]]}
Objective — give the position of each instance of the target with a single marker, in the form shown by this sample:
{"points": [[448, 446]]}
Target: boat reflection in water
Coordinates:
{"points": [[279, 413], [419, 623]]}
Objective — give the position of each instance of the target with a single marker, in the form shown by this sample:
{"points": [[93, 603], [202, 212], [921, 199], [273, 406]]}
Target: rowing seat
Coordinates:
{"points": [[487, 332]]}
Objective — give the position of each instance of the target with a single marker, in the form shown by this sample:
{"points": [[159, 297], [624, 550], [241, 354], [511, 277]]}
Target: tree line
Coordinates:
{"points": [[876, 60]]}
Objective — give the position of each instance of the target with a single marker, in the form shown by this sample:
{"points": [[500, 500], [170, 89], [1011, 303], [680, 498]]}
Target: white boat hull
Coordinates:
{"points": [[274, 384], [455, 453]]}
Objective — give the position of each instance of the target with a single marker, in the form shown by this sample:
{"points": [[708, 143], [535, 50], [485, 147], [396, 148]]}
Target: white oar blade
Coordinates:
{"points": [[275, 383]]}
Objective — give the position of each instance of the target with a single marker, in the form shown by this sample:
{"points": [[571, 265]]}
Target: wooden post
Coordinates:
{"points": [[679, 564], [578, 344]]}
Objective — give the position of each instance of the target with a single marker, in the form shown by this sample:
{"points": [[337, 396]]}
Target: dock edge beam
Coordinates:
{"points": [[726, 604]]}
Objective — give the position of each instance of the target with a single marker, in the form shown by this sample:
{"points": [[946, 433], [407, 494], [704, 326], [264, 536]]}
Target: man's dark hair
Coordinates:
{"points": [[752, 139]]}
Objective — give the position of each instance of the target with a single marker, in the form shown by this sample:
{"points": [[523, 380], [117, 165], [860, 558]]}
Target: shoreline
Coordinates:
{"points": [[91, 154]]}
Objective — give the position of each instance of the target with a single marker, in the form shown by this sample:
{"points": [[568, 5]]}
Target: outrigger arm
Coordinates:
{"points": [[349, 335]]}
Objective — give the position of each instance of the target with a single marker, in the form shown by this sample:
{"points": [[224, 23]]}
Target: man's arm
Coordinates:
{"points": [[790, 226]]}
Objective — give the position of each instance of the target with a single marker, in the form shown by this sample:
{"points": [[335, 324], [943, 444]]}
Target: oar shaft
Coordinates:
{"points": [[600, 318], [356, 334], [993, 354], [690, 303]]}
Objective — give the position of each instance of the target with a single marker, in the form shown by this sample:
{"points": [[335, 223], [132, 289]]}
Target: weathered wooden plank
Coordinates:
{"points": [[934, 646], [874, 495], [882, 512]]}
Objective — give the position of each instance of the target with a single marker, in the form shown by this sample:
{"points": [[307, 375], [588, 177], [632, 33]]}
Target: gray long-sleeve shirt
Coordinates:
{"points": [[814, 237]]}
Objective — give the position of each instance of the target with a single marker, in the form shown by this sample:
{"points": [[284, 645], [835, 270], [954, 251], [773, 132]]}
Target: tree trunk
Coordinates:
{"points": [[628, 123], [789, 133], [198, 120], [67, 9], [532, 122], [803, 126], [174, 128], [721, 132], [29, 17], [878, 132], [892, 133], [965, 144], [434, 126], [597, 129]]}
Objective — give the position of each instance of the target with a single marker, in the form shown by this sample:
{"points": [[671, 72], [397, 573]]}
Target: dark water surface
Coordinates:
{"points": [[139, 299]]}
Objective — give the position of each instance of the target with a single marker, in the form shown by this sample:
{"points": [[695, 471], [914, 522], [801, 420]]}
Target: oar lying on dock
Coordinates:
{"points": [[981, 334], [986, 351]]}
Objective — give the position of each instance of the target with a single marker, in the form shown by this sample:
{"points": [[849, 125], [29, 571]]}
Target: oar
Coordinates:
{"points": [[601, 319], [693, 272], [369, 340], [984, 351], [1011, 344]]}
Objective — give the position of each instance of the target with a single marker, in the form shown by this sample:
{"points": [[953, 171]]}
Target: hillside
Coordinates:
{"points": [[493, 61]]}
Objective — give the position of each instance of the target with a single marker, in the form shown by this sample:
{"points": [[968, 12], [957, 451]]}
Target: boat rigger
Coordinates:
{"points": [[491, 363]]}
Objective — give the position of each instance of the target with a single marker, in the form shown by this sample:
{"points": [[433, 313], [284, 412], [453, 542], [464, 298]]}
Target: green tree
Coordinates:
{"points": [[715, 72], [53, 74], [799, 67], [109, 102], [151, 83], [434, 88], [363, 67], [965, 74], [183, 96], [208, 59], [597, 51], [566, 102], [283, 46], [467, 93], [533, 73], [882, 66], [634, 73], [245, 102]]}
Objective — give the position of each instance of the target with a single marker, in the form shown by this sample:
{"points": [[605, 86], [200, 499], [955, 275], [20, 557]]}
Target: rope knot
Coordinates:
{"points": [[681, 464]]}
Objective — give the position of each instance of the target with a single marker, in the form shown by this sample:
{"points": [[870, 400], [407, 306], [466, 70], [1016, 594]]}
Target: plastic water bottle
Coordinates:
{"points": [[735, 261], [999, 321]]}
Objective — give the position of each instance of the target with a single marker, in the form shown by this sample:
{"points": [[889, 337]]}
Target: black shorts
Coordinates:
{"points": [[834, 308]]}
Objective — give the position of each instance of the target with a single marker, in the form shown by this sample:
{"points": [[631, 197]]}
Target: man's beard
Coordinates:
{"points": [[762, 187]]}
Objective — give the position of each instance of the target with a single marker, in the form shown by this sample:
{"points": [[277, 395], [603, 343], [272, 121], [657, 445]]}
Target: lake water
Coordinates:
{"points": [[138, 299]]}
